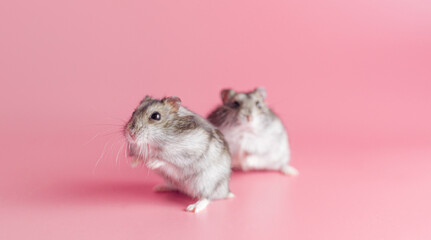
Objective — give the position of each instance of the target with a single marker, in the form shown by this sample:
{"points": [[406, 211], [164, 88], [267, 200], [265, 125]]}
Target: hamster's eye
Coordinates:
{"points": [[155, 116], [236, 104], [258, 104]]}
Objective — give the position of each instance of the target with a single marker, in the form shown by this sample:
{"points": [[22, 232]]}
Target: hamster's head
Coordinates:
{"points": [[245, 107], [149, 121]]}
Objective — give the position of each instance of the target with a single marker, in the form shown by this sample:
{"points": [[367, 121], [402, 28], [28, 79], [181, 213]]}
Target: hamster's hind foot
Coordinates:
{"points": [[198, 206], [230, 195], [289, 171]]}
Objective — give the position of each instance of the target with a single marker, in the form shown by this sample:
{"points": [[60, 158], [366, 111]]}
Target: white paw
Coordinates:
{"points": [[155, 164], [230, 195], [135, 162], [198, 206], [290, 171], [245, 167]]}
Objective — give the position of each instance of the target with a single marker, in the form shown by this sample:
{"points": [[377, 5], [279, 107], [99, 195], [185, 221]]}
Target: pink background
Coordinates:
{"points": [[350, 79]]}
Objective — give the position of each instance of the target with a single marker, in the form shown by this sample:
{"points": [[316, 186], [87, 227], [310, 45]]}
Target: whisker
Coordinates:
{"points": [[103, 133], [125, 151], [140, 152], [105, 151], [116, 159], [111, 150], [104, 124], [100, 157], [108, 115], [118, 119]]}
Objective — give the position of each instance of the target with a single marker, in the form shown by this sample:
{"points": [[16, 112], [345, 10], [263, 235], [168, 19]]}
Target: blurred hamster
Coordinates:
{"points": [[256, 136], [184, 148]]}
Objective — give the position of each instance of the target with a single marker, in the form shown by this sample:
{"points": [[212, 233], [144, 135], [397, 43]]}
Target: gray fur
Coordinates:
{"points": [[256, 136], [189, 152]]}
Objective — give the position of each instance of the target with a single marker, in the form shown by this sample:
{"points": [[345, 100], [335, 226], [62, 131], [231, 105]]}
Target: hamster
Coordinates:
{"points": [[184, 148], [256, 136]]}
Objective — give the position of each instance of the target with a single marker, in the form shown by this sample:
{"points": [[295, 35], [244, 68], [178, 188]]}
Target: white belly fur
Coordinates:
{"points": [[254, 149]]}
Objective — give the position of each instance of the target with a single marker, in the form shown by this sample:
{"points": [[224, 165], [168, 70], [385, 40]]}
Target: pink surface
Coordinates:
{"points": [[351, 80]]}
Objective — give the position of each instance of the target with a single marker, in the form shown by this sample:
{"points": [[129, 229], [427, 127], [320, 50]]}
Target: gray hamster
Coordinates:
{"points": [[184, 148], [256, 136]]}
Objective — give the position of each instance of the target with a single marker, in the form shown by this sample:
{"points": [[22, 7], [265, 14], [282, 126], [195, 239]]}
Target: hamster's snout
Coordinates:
{"points": [[249, 118], [247, 115], [130, 130], [132, 135], [129, 134]]}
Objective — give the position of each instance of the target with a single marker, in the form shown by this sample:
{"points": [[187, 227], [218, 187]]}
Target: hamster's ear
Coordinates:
{"points": [[261, 91], [174, 102], [147, 98], [226, 94]]}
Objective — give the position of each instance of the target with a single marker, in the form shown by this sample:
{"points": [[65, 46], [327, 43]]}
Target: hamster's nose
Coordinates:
{"points": [[132, 135], [249, 118]]}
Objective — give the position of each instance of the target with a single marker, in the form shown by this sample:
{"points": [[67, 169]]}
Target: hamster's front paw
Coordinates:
{"points": [[198, 206], [155, 164], [135, 162], [289, 171]]}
